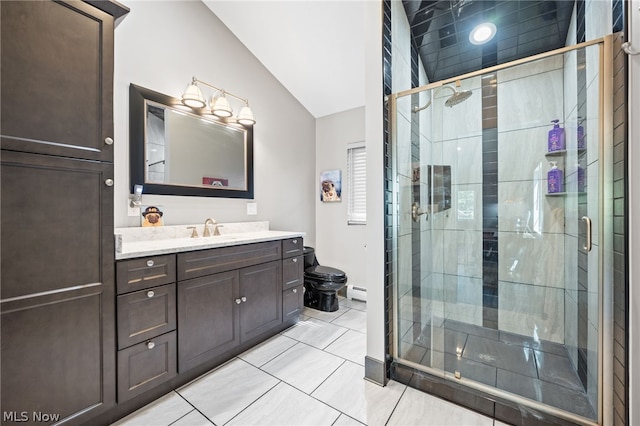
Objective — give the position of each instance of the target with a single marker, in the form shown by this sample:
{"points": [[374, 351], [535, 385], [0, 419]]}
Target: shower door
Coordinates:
{"points": [[497, 278]]}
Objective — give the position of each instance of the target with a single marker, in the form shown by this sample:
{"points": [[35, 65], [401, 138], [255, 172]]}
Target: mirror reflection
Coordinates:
{"points": [[184, 149]]}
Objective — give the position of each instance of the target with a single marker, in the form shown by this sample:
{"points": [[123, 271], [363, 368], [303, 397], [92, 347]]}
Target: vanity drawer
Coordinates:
{"points": [[146, 365], [292, 247], [138, 274], [292, 302], [206, 262], [292, 272], [146, 314]]}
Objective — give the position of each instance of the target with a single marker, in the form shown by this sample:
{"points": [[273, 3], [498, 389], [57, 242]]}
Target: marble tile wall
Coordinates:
{"points": [[531, 226]]}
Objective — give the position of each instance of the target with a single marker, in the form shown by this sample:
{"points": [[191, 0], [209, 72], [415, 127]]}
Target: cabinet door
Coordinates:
{"points": [[292, 303], [292, 272], [146, 314], [57, 79], [58, 354], [208, 315], [146, 365], [57, 223], [261, 295]]}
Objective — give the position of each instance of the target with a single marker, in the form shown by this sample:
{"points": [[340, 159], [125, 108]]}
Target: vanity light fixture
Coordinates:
{"points": [[219, 104], [482, 33]]}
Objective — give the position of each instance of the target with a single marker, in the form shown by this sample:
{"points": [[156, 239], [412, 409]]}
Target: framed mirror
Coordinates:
{"points": [[175, 150]]}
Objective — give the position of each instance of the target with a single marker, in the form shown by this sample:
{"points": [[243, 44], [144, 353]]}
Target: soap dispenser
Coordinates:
{"points": [[556, 137], [555, 179]]}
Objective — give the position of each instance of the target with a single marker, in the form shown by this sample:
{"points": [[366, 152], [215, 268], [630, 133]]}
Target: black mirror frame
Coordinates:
{"points": [[137, 97]]}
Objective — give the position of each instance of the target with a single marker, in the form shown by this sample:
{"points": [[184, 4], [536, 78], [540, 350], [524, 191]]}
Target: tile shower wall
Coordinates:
{"points": [[531, 226]]}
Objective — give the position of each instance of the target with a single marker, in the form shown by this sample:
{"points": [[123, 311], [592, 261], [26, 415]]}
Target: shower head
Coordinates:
{"points": [[457, 97], [452, 100]]}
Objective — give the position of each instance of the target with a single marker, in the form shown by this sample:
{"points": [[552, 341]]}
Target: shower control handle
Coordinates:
{"points": [[416, 212], [588, 245]]}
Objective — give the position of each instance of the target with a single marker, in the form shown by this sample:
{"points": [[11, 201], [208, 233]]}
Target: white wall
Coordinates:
{"points": [[160, 45], [375, 257], [339, 245]]}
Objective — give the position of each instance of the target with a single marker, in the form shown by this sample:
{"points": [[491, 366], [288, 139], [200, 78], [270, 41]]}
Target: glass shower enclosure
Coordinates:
{"points": [[500, 263]]}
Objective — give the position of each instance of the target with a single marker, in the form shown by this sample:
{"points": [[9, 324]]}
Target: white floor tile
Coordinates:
{"points": [[314, 332], [194, 418], [419, 408], [345, 420], [344, 391], [226, 391], [323, 315], [303, 367], [352, 345], [354, 304], [285, 405], [160, 412], [353, 319], [266, 351]]}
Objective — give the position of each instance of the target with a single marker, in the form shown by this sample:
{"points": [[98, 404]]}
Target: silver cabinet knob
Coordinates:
{"points": [[108, 182], [295, 260], [244, 299], [295, 290], [238, 301], [150, 263], [151, 345], [108, 141], [294, 241], [150, 293]]}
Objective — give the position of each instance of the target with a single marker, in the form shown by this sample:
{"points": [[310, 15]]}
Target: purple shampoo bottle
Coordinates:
{"points": [[555, 179], [556, 137]]}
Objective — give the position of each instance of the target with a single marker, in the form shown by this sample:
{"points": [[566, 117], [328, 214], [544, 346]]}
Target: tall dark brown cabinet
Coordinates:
{"points": [[56, 182]]}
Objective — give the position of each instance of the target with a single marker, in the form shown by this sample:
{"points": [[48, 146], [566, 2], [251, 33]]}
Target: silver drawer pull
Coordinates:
{"points": [[108, 182], [295, 290], [150, 293], [294, 241], [238, 301], [150, 263], [244, 299], [295, 260], [151, 345], [108, 141]]}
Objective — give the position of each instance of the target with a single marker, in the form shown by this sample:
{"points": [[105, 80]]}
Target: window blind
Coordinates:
{"points": [[357, 180]]}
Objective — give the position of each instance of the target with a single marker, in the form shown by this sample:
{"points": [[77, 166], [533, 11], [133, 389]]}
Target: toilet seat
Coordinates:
{"points": [[326, 273]]}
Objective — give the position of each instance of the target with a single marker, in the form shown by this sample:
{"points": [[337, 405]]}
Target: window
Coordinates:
{"points": [[357, 184]]}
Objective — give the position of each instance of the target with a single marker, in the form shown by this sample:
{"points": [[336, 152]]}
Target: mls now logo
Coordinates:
{"points": [[23, 416]]}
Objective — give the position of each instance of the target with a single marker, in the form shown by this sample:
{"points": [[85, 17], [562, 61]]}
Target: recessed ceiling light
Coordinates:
{"points": [[482, 33]]}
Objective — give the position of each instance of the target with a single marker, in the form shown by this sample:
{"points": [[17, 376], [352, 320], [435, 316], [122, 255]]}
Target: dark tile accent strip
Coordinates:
{"points": [[388, 185], [620, 233], [490, 201]]}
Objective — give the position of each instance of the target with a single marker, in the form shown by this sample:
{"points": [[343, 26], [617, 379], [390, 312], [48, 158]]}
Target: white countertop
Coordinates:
{"points": [[142, 242]]}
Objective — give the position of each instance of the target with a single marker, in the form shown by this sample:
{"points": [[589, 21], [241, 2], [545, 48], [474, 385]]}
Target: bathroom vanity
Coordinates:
{"points": [[185, 305]]}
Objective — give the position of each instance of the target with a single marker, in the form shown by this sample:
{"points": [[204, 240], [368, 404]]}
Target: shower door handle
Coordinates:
{"points": [[587, 221], [416, 212]]}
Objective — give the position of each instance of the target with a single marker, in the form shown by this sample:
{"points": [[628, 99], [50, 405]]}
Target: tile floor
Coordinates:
{"points": [[538, 370], [310, 374]]}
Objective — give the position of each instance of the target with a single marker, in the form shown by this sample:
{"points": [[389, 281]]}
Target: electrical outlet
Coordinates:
{"points": [[133, 211], [252, 208]]}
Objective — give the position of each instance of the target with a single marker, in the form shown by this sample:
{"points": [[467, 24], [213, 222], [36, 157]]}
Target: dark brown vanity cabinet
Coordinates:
{"points": [[292, 279], [146, 323], [56, 177], [236, 296]]}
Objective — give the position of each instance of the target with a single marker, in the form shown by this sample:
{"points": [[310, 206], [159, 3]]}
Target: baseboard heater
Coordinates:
{"points": [[356, 293]]}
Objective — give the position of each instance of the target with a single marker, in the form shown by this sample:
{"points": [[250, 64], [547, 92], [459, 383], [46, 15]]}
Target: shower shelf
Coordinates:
{"points": [[563, 152], [563, 194]]}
